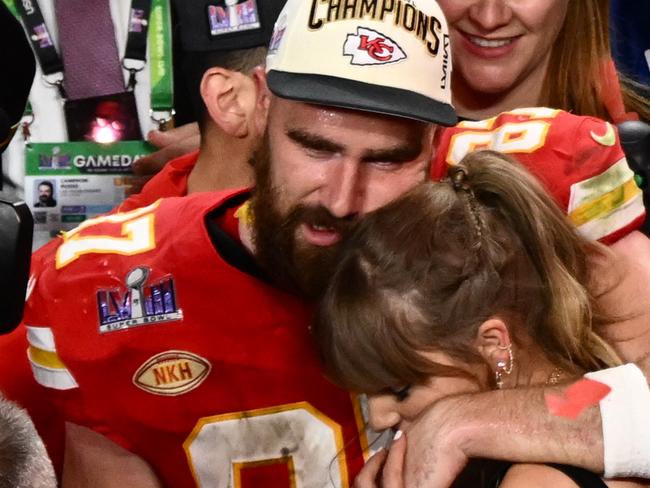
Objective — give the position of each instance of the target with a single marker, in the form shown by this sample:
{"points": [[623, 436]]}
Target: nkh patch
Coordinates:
{"points": [[139, 303], [227, 16], [172, 373], [369, 47]]}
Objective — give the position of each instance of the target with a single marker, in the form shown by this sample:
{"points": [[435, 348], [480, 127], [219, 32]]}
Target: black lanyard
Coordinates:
{"points": [[136, 42], [39, 36], [48, 57]]}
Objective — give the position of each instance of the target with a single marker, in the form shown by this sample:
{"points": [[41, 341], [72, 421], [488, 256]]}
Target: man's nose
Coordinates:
{"points": [[381, 412], [490, 14], [344, 189]]}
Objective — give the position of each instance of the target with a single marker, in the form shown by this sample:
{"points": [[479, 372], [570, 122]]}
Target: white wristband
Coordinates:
{"points": [[625, 413]]}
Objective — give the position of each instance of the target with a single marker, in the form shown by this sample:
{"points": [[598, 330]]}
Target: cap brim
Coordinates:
{"points": [[341, 92]]}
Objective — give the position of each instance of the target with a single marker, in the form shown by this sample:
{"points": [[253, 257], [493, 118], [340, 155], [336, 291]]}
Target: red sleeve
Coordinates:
{"points": [[17, 380], [578, 159], [17, 384], [170, 182], [605, 202]]}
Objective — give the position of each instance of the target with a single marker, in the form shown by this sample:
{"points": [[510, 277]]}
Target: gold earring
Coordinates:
{"points": [[504, 368]]}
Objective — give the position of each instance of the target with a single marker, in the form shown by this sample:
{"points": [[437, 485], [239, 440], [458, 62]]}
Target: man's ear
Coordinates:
{"points": [[225, 93], [492, 341], [263, 100]]}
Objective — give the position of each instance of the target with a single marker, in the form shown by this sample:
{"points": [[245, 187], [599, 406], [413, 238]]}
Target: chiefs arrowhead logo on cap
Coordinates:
{"points": [[369, 47]]}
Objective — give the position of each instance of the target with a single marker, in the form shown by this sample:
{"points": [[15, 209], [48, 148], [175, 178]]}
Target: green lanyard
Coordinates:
{"points": [[161, 63], [12, 8]]}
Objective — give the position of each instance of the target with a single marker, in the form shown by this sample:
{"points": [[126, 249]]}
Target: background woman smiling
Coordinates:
{"points": [[521, 53]]}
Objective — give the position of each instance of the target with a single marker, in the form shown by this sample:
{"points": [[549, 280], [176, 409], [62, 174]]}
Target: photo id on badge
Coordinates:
{"points": [[104, 119]]}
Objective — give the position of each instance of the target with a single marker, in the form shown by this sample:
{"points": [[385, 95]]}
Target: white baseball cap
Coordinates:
{"points": [[385, 56]]}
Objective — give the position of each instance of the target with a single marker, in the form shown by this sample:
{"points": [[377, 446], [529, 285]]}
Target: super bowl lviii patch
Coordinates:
{"points": [[172, 373], [227, 16], [139, 303]]}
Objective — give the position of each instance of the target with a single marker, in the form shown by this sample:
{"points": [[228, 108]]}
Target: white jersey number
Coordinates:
{"points": [[513, 137], [220, 448], [136, 236]]}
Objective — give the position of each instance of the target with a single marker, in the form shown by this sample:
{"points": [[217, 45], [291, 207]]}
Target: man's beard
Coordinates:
{"points": [[44, 198], [295, 266]]}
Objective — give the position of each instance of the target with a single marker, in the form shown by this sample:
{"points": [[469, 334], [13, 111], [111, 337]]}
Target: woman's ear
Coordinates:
{"points": [[493, 341], [228, 99]]}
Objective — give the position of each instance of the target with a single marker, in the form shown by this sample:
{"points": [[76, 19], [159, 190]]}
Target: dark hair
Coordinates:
{"points": [[424, 272], [47, 183]]}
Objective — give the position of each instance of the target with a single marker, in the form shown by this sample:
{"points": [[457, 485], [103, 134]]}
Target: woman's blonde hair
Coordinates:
{"points": [[426, 271], [578, 78]]}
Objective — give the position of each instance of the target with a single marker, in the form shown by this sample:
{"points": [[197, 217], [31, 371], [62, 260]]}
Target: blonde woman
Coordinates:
{"points": [[474, 283]]}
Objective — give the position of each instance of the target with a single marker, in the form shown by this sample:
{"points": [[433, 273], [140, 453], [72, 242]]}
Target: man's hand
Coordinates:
{"points": [[171, 144], [435, 457], [384, 468], [511, 425]]}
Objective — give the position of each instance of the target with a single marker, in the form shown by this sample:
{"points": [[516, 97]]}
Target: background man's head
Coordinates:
{"points": [[219, 63], [23, 460], [355, 89], [218, 58]]}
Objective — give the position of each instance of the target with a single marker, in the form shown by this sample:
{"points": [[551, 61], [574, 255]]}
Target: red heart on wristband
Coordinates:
{"points": [[577, 397]]}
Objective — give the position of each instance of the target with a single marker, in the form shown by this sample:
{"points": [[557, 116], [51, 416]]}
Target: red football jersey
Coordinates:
{"points": [[138, 329], [579, 159], [171, 181]]}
